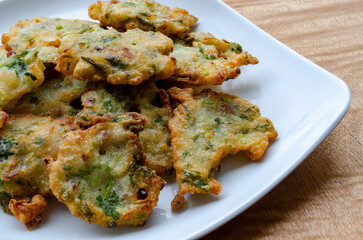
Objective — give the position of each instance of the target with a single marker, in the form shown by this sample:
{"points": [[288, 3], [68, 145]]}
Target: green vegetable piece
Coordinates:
{"points": [[6, 147], [116, 62], [28, 74], [235, 47]]}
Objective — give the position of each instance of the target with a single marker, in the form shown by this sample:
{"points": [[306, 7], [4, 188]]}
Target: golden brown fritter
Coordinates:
{"points": [[28, 144], [43, 35], [118, 58], [19, 74], [208, 126], [112, 103], [147, 15], [97, 177], [203, 59], [28, 212], [56, 98]]}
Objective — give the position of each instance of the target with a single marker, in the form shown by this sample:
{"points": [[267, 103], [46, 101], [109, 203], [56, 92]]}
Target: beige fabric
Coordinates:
{"points": [[323, 198]]}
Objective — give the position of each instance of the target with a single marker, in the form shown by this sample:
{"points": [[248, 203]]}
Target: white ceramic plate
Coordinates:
{"points": [[303, 101]]}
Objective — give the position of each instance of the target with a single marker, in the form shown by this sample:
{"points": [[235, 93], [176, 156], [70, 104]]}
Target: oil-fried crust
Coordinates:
{"points": [[20, 73], [43, 35], [97, 177], [206, 127], [147, 15], [118, 58], [111, 103], [28, 144], [56, 98], [203, 59], [28, 212]]}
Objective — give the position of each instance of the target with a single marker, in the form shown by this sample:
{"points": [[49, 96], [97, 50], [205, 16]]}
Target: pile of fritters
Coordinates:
{"points": [[84, 119]]}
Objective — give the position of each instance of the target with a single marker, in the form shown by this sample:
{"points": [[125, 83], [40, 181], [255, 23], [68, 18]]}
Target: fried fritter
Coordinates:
{"points": [[111, 104], [55, 98], [27, 144], [203, 59], [154, 105], [147, 15], [28, 212], [43, 35], [118, 58], [97, 177], [206, 127], [19, 74]]}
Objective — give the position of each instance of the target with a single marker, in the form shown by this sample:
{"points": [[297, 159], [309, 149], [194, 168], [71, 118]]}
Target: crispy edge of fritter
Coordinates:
{"points": [[170, 27], [254, 152], [28, 212], [81, 138]]}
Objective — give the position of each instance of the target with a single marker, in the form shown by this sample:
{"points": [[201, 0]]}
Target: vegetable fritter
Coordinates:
{"points": [[97, 176], [118, 58], [203, 59], [19, 74], [111, 103], [55, 98], [154, 105], [147, 15], [208, 126], [28, 144], [43, 35]]}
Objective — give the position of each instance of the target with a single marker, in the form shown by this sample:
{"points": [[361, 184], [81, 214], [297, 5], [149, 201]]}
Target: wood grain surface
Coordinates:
{"points": [[323, 197]]}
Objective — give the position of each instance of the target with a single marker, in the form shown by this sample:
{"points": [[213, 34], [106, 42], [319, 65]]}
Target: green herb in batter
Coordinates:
{"points": [[108, 201]]}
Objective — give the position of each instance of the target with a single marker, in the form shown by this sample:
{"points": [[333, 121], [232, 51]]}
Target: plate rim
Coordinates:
{"points": [[274, 182]]}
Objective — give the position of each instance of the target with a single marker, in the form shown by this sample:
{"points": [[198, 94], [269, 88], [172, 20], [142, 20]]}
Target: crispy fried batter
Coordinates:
{"points": [[111, 104], [56, 98], [28, 144], [206, 127], [147, 15], [203, 59], [97, 177], [178, 202], [43, 35], [19, 74], [28, 212], [118, 58]]}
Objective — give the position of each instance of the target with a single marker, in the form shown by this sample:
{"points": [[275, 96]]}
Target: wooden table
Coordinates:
{"points": [[323, 197]]}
